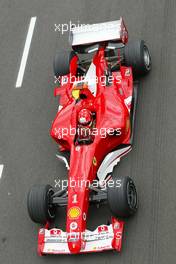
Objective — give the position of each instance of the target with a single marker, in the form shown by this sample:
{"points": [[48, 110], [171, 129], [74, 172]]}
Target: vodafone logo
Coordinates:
{"points": [[55, 232], [102, 228], [73, 225]]}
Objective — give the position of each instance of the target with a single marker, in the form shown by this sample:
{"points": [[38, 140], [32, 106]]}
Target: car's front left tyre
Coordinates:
{"points": [[122, 196], [40, 208]]}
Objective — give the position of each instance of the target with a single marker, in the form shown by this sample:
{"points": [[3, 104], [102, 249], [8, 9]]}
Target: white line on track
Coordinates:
{"points": [[1, 170], [25, 52]]}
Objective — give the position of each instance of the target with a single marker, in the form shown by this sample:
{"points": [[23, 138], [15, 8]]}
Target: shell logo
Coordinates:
{"points": [[74, 212]]}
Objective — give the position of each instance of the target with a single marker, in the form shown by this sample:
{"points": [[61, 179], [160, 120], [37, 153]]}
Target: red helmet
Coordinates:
{"points": [[84, 117]]}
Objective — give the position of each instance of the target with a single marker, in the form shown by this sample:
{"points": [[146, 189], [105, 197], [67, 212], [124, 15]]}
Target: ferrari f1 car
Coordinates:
{"points": [[97, 89]]}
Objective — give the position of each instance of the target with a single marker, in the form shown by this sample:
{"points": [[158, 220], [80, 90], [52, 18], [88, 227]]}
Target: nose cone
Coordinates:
{"points": [[75, 246]]}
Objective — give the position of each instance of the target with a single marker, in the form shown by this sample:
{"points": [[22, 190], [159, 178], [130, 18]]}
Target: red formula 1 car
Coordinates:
{"points": [[94, 123]]}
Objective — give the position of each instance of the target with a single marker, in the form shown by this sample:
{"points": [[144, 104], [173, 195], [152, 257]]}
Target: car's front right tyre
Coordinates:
{"points": [[40, 208]]}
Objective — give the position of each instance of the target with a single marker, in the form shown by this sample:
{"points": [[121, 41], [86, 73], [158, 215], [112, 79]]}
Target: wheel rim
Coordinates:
{"points": [[132, 195], [51, 208], [147, 59]]}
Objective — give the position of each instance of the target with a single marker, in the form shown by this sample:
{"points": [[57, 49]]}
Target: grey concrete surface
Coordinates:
{"points": [[28, 153]]}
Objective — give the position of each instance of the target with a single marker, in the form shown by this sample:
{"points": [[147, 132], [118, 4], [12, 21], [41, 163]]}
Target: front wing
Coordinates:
{"points": [[104, 237]]}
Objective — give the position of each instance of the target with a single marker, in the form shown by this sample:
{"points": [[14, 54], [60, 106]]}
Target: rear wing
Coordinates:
{"points": [[114, 31]]}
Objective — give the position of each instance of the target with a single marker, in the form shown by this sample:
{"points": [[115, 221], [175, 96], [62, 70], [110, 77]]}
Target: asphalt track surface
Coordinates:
{"points": [[26, 113]]}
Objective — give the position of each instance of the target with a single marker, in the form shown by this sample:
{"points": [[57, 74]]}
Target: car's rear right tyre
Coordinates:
{"points": [[61, 64], [39, 204]]}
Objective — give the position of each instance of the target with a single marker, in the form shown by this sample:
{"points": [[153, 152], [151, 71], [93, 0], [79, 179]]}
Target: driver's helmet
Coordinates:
{"points": [[84, 117]]}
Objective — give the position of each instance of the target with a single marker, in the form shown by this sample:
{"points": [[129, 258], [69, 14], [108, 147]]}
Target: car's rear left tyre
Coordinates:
{"points": [[122, 197], [61, 64], [137, 55], [39, 204]]}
